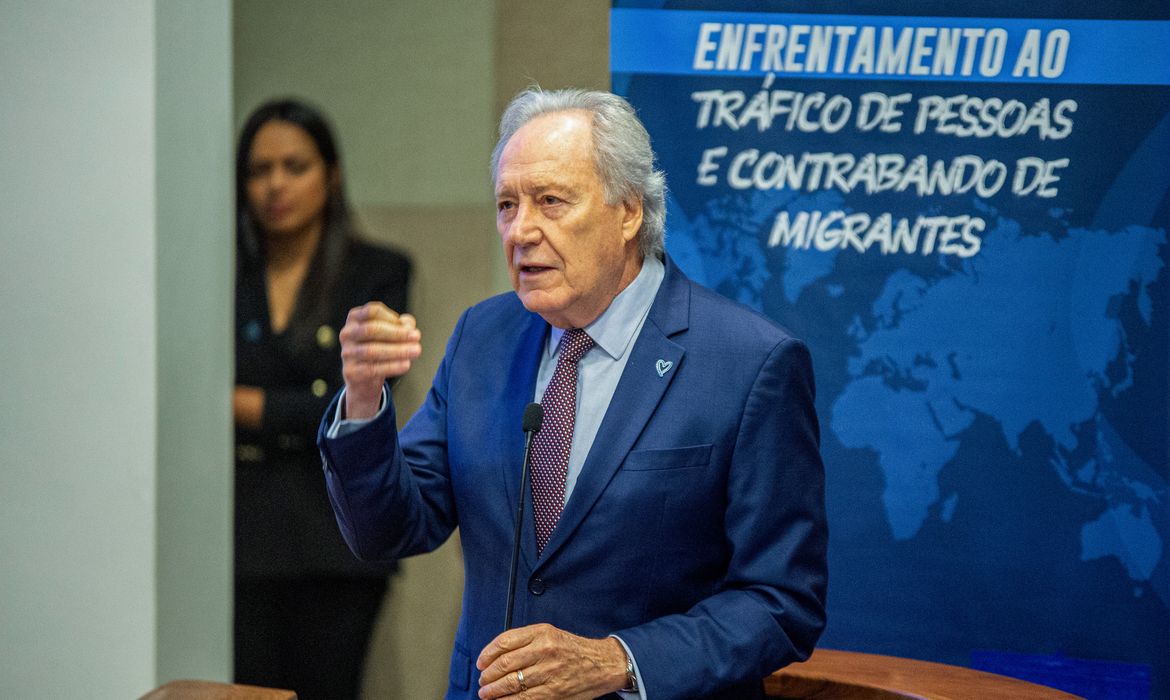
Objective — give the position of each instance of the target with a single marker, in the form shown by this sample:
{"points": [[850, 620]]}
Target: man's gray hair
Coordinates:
{"points": [[621, 152]]}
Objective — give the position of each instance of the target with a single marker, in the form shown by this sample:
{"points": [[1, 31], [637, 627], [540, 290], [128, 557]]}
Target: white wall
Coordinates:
{"points": [[79, 328], [195, 241]]}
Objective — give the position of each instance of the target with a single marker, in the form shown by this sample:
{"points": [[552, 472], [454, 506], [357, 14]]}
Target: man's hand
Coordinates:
{"points": [[554, 663], [376, 344]]}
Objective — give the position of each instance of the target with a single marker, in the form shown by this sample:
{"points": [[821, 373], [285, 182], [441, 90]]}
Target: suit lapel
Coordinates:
{"points": [[519, 390], [637, 395]]}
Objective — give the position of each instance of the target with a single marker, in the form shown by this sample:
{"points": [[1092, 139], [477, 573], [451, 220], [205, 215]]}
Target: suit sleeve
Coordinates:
{"points": [[391, 492], [769, 610]]}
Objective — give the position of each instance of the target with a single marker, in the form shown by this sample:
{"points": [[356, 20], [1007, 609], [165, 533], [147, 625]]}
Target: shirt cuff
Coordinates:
{"points": [[344, 426], [641, 694]]}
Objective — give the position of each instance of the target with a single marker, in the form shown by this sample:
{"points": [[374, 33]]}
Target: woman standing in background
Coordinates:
{"points": [[304, 606]]}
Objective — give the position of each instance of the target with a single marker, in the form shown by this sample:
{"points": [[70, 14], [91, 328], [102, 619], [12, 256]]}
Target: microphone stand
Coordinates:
{"points": [[533, 417]]}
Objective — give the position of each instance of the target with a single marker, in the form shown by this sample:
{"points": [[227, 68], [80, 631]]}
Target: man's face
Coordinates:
{"points": [[569, 253]]}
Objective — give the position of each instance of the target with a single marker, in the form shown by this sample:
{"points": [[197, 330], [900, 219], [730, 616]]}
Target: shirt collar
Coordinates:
{"points": [[613, 331]]}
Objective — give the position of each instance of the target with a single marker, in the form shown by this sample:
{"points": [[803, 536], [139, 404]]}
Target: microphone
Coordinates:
{"points": [[533, 418]]}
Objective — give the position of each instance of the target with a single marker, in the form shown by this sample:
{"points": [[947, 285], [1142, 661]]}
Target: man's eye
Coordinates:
{"points": [[550, 199], [504, 206]]}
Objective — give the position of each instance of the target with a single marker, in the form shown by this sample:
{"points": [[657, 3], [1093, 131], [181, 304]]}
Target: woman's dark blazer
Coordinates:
{"points": [[284, 525]]}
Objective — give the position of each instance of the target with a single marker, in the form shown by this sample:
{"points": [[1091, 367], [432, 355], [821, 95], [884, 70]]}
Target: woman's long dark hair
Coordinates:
{"points": [[313, 301]]}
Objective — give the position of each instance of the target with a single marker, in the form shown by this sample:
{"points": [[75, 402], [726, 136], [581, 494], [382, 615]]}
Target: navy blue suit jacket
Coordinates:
{"points": [[696, 531]]}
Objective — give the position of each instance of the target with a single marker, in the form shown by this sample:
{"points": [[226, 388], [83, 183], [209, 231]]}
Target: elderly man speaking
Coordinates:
{"points": [[674, 542]]}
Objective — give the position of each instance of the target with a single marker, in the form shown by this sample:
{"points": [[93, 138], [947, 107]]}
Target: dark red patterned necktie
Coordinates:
{"points": [[550, 446]]}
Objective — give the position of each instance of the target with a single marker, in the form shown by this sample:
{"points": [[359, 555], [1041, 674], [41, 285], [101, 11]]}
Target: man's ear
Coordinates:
{"points": [[631, 218]]}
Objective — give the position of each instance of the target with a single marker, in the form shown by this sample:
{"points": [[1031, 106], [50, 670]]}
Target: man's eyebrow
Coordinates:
{"points": [[554, 183], [541, 185]]}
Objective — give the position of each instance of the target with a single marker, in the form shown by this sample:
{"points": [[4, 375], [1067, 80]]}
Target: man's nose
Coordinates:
{"points": [[526, 227]]}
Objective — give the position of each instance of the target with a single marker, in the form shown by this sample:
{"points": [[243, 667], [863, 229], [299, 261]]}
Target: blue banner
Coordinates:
{"points": [[967, 219], [1102, 52]]}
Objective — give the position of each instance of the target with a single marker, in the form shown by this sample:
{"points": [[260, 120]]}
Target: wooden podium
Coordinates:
{"points": [[210, 690], [848, 675]]}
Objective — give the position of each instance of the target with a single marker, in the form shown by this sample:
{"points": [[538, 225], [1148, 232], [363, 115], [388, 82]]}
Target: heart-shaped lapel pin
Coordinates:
{"points": [[663, 366]]}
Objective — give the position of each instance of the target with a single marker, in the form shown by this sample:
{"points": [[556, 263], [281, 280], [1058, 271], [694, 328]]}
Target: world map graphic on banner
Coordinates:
{"points": [[973, 239]]}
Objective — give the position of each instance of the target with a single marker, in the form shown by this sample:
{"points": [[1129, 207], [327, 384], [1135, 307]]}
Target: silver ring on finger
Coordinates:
{"points": [[520, 680]]}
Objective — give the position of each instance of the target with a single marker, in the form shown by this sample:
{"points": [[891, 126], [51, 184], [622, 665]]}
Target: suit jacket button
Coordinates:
{"points": [[536, 587], [326, 337]]}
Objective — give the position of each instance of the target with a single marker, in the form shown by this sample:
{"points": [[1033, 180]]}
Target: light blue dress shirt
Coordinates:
{"points": [[598, 372]]}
